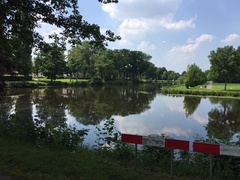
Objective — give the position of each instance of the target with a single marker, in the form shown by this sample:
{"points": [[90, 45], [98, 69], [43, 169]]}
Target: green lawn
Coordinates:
{"points": [[230, 87], [25, 161], [215, 87]]}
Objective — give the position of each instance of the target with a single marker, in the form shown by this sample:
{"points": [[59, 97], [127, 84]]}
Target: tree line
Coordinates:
{"points": [[18, 36], [88, 60], [20, 19]]}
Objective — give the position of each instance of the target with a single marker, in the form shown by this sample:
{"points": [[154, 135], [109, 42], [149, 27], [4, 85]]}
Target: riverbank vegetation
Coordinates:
{"points": [[50, 151], [207, 89]]}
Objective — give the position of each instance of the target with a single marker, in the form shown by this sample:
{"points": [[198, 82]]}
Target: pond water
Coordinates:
{"points": [[139, 110]]}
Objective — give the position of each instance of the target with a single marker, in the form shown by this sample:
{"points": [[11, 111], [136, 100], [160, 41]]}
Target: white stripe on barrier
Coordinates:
{"points": [[229, 150], [159, 141], [154, 141]]}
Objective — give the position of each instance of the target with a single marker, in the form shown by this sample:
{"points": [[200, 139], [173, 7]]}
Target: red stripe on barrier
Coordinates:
{"points": [[206, 148], [177, 144], [128, 138]]}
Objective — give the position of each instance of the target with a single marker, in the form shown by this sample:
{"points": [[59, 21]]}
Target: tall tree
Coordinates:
{"points": [[224, 64], [82, 58], [194, 76], [21, 50], [63, 14], [104, 66], [51, 59]]}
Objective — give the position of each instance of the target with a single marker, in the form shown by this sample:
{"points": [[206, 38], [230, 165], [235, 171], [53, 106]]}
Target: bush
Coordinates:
{"points": [[21, 84], [96, 81], [41, 133], [18, 78]]}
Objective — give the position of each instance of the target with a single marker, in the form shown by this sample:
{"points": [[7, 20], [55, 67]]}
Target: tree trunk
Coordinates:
{"points": [[225, 87]]}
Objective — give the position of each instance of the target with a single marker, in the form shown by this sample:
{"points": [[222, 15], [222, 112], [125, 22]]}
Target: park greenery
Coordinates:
{"points": [[88, 56], [39, 149]]}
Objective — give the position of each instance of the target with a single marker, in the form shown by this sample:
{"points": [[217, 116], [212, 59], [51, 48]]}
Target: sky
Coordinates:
{"points": [[176, 33]]}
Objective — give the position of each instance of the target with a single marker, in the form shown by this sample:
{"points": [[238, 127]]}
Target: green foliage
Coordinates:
{"points": [[108, 133], [42, 134], [17, 78], [21, 84], [96, 81], [155, 156], [194, 76], [108, 139], [58, 137], [19, 19], [50, 60], [225, 64]]}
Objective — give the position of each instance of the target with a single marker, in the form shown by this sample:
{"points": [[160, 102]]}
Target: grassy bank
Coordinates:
{"points": [[73, 82], [24, 161], [21, 160], [47, 82], [46, 151], [216, 89]]}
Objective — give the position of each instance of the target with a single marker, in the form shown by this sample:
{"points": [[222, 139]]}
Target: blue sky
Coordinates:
{"points": [[175, 33]]}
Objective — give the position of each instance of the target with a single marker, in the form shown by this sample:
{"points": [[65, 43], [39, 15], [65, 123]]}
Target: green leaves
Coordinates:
{"points": [[225, 64], [194, 76], [51, 61]]}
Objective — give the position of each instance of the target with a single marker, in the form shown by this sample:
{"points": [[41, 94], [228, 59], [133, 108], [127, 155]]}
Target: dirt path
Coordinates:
{"points": [[209, 86]]}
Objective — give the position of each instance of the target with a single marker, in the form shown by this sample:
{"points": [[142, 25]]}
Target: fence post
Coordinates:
{"points": [[211, 164], [136, 156], [172, 173]]}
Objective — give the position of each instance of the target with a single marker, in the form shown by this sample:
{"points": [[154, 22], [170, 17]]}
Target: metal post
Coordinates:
{"points": [[135, 155], [172, 173], [211, 164]]}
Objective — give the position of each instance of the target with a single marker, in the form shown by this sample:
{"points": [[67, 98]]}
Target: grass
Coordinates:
{"points": [[47, 82], [230, 87], [20, 160], [217, 89]]}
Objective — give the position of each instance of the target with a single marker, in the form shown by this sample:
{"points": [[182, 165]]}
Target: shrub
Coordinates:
{"points": [[18, 78], [42, 134], [96, 81]]}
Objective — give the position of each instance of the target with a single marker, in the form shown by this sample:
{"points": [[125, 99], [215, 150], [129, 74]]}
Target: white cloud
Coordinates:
{"points": [[182, 24], [139, 18], [141, 8], [181, 56], [200, 119], [193, 45], [47, 30], [176, 131], [145, 46], [232, 38]]}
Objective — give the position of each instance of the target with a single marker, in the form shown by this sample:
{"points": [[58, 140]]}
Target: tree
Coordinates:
{"points": [[104, 66], [74, 64], [224, 64], [160, 71], [21, 50], [190, 104], [51, 60], [82, 58], [194, 76], [63, 14]]}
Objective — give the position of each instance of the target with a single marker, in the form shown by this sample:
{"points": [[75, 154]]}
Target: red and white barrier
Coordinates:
{"points": [[156, 141], [182, 145]]}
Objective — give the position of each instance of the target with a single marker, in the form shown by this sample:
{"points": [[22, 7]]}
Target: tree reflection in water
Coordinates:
{"points": [[92, 105], [224, 121]]}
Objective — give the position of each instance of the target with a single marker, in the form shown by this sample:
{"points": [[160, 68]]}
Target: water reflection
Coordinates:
{"points": [[224, 120], [136, 110], [190, 104]]}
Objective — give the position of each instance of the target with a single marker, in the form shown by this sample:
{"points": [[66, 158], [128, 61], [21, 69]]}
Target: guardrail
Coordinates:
{"points": [[199, 147]]}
